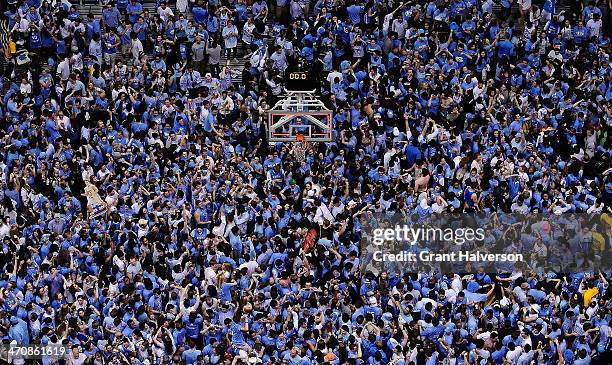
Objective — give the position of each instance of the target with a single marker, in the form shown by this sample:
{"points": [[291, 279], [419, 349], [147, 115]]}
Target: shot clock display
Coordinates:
{"points": [[298, 75], [299, 81]]}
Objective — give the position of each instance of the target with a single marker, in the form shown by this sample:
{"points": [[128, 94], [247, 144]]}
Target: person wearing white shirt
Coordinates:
{"points": [[251, 266], [520, 207], [79, 27], [63, 69], [596, 208], [399, 26], [439, 205], [594, 26], [332, 76], [247, 31], [17, 358], [76, 357], [67, 29], [21, 24], [5, 226], [479, 90], [63, 121], [513, 354], [226, 105], [25, 87], [230, 36], [524, 7], [388, 18], [77, 61], [279, 58], [137, 48], [164, 12], [387, 157], [534, 15], [337, 208], [323, 213], [258, 59], [204, 112]]}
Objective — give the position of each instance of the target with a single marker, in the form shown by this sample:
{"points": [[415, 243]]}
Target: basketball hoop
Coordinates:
{"points": [[299, 148]]}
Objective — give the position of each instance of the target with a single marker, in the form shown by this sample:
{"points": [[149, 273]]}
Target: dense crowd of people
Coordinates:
{"points": [[145, 219]]}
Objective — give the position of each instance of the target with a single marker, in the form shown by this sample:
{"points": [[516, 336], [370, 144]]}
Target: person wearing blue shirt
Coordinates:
{"points": [[505, 48], [110, 43], [580, 33], [111, 16], [236, 330], [19, 331], [422, 46], [212, 26], [134, 10], [548, 10], [122, 5], [199, 14], [190, 356], [355, 13], [193, 325], [590, 10], [35, 37], [307, 52]]}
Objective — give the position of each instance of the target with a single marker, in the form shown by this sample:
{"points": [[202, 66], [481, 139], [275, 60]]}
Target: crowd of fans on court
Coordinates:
{"points": [[145, 219]]}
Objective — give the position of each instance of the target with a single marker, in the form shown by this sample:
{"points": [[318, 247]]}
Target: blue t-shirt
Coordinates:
{"points": [[354, 13], [134, 11], [199, 14], [505, 48], [35, 39], [191, 356], [193, 328], [549, 6], [237, 335]]}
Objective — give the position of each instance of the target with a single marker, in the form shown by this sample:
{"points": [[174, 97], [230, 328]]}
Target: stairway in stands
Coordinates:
{"points": [[94, 7]]}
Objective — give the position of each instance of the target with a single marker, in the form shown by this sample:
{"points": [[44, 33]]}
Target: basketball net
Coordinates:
{"points": [[299, 148]]}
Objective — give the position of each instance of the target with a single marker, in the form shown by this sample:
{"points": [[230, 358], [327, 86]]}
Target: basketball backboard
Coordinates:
{"points": [[300, 114]]}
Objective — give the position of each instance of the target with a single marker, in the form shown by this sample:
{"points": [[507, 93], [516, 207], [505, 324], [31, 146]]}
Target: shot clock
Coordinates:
{"points": [[299, 75], [299, 81]]}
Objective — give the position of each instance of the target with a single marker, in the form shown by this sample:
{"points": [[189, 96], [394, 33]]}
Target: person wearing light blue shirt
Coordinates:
{"points": [[134, 9], [355, 13], [111, 16], [19, 331]]}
